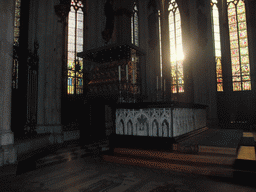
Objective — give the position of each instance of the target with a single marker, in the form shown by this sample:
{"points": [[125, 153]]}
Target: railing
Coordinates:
{"points": [[159, 121]]}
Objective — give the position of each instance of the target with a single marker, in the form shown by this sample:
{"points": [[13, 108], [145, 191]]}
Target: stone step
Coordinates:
{"points": [[246, 153], [193, 169], [245, 163], [65, 156], [208, 142], [187, 136], [216, 159]]}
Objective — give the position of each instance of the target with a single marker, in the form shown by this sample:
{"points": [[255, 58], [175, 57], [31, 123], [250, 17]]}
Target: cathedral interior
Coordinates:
{"points": [[167, 85]]}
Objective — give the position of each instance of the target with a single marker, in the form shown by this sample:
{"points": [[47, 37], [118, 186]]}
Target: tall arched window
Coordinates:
{"points": [[135, 25], [217, 44], [16, 43], [75, 45], [176, 49], [239, 45]]}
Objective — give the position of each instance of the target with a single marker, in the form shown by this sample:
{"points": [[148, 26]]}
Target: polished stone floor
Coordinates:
{"points": [[75, 168]]}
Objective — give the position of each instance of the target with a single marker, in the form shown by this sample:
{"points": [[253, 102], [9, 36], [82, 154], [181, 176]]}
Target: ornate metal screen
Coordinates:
{"points": [[116, 74]]}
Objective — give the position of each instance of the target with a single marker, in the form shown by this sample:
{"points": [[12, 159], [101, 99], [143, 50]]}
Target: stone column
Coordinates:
{"points": [[188, 50], [166, 80], [49, 31], [8, 153], [204, 68]]}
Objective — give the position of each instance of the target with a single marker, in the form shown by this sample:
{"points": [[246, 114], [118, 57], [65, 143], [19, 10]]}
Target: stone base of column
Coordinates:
{"points": [[56, 138], [8, 155], [55, 130]]}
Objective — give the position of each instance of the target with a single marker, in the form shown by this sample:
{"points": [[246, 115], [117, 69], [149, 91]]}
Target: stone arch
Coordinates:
{"points": [[165, 128], [121, 125], [129, 127], [155, 127]]}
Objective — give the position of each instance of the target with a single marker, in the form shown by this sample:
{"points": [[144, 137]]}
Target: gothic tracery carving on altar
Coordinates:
{"points": [[159, 122]]}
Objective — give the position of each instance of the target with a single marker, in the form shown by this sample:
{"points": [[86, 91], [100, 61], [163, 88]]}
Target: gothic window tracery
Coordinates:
{"points": [[239, 50], [217, 43], [176, 49], [135, 25], [75, 45]]}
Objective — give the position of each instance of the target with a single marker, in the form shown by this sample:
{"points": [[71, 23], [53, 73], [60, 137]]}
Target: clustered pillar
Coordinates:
{"points": [[8, 154]]}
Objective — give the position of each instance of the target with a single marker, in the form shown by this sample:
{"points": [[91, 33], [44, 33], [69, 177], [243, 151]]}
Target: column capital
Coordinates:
{"points": [[62, 11]]}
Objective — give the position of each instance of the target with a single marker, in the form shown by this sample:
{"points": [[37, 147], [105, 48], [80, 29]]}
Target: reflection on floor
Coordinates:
{"points": [[85, 168], [94, 174]]}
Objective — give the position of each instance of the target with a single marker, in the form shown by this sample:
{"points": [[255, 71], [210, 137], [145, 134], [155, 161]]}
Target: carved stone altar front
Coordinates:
{"points": [[159, 122]]}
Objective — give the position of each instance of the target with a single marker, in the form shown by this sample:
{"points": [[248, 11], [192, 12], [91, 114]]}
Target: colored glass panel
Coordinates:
{"points": [[245, 59], [234, 44], [233, 36], [219, 80], [233, 27], [244, 51], [243, 43], [219, 87], [181, 88], [246, 78], [243, 34], [235, 60], [247, 85], [246, 69], [242, 25], [174, 89], [234, 78], [232, 20], [236, 70], [237, 86], [234, 52], [231, 11], [241, 17]]}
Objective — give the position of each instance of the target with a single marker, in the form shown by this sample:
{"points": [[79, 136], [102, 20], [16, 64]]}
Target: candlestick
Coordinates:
{"points": [[119, 72], [157, 83], [127, 77], [133, 76], [164, 85], [161, 83]]}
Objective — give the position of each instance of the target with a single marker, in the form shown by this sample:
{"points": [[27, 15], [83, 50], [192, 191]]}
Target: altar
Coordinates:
{"points": [[116, 79], [155, 125]]}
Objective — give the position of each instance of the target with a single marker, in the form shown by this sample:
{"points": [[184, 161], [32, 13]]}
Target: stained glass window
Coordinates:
{"points": [[176, 49], [160, 43], [75, 45], [217, 44], [239, 45], [135, 25], [16, 43]]}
